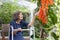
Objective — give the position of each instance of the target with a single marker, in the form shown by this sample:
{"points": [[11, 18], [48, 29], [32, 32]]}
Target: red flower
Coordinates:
{"points": [[43, 10], [51, 2], [42, 16]]}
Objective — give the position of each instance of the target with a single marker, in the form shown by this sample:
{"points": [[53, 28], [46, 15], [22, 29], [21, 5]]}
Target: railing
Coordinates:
{"points": [[26, 37], [6, 27]]}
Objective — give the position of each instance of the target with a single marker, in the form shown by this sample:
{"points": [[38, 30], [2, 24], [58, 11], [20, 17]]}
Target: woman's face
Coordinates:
{"points": [[20, 16]]}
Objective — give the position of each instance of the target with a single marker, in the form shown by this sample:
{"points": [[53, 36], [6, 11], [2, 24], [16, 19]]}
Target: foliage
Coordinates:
{"points": [[53, 17], [7, 9], [52, 20]]}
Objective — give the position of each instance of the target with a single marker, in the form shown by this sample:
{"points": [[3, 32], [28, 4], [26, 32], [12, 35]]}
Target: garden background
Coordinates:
{"points": [[51, 30]]}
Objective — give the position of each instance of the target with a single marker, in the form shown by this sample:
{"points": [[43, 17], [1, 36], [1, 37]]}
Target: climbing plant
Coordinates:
{"points": [[51, 18]]}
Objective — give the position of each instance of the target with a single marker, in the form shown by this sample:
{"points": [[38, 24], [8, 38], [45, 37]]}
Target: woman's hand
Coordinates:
{"points": [[16, 30], [19, 29]]}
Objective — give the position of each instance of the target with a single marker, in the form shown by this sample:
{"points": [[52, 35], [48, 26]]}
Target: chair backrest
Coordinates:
{"points": [[5, 27]]}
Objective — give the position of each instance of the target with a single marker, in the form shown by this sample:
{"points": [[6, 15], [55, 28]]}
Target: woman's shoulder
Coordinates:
{"points": [[23, 21], [12, 22]]}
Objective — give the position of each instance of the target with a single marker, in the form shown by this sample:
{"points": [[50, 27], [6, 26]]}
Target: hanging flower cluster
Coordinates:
{"points": [[43, 10]]}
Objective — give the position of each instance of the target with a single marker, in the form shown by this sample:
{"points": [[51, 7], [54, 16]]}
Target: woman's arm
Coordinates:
{"points": [[33, 20], [16, 30]]}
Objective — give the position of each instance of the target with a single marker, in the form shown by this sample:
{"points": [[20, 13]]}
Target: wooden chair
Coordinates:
{"points": [[5, 29]]}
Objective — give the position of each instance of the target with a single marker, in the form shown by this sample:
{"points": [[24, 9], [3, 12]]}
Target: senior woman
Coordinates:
{"points": [[17, 24]]}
